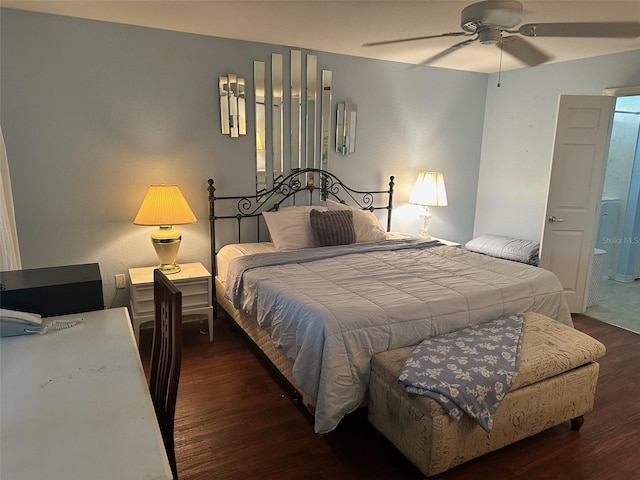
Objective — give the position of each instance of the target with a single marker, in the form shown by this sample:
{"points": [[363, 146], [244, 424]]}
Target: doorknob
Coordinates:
{"points": [[553, 219]]}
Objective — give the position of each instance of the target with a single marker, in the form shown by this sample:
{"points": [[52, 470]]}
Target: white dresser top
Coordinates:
{"points": [[75, 405]]}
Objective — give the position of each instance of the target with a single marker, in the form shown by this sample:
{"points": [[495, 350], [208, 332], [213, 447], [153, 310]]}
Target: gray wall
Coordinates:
{"points": [[519, 128], [94, 112]]}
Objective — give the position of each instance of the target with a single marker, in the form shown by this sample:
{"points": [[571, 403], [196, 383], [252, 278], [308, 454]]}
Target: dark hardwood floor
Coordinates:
{"points": [[234, 421]]}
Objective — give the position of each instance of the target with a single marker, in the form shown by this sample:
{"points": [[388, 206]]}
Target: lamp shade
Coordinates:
{"points": [[429, 190], [164, 205]]}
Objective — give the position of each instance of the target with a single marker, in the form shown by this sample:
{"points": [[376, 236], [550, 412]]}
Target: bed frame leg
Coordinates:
{"points": [[576, 423]]}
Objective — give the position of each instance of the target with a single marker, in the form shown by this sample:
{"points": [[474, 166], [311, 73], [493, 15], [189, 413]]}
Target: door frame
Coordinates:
{"points": [[583, 127], [629, 92]]}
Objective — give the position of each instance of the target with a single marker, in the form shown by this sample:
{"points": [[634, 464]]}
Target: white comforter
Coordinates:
{"points": [[331, 315]]}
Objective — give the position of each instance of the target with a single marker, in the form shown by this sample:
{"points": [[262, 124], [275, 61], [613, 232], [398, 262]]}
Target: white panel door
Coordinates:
{"points": [[583, 129]]}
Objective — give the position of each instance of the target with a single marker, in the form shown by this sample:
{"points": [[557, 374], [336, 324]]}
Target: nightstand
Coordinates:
{"points": [[193, 280], [448, 243]]}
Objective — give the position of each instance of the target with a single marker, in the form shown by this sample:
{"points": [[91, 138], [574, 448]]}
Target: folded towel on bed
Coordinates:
{"points": [[516, 249], [467, 371]]}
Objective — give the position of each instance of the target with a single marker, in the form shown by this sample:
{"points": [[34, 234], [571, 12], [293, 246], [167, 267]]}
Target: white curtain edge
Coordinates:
{"points": [[9, 249]]}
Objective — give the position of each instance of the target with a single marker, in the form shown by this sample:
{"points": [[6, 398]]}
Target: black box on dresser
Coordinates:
{"points": [[52, 291]]}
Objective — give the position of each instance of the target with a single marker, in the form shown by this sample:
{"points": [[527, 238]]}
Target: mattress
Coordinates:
{"points": [[358, 300]]}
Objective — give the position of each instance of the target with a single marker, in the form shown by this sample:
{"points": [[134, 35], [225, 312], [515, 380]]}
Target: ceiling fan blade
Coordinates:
{"points": [[413, 39], [581, 29], [449, 50], [524, 50]]}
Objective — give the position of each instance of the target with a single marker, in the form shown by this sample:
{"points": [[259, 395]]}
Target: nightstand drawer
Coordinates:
{"points": [[195, 293]]}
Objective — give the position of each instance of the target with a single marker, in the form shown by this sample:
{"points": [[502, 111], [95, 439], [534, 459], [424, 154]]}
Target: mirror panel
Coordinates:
{"points": [[296, 109], [233, 105], [352, 114], [223, 87], [242, 117], [261, 128], [340, 140], [346, 122], [327, 77], [312, 94], [277, 116]]}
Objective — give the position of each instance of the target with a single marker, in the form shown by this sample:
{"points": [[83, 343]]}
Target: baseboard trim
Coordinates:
{"points": [[623, 278]]}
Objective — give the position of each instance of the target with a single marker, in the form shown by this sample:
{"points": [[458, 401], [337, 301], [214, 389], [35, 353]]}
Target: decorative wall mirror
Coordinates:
{"points": [[277, 115], [346, 120], [270, 137], [296, 109], [312, 94], [325, 127], [232, 105], [261, 128]]}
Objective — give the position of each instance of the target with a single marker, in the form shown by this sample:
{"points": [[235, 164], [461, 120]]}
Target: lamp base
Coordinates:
{"points": [[166, 242], [425, 220], [168, 269]]}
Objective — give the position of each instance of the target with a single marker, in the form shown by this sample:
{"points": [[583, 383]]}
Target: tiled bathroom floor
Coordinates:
{"points": [[619, 304]]}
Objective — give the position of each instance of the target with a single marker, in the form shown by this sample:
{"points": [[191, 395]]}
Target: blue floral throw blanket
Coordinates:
{"points": [[467, 371]]}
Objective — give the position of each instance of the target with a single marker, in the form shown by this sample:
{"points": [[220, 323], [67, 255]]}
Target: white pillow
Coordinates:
{"points": [[290, 227], [365, 223]]}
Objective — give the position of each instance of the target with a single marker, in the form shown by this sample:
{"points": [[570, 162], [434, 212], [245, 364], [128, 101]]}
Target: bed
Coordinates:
{"points": [[319, 313]]}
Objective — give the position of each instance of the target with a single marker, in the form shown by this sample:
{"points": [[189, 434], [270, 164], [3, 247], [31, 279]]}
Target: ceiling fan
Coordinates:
{"points": [[492, 23]]}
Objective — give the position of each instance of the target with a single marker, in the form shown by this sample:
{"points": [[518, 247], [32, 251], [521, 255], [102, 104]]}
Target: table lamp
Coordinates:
{"points": [[165, 206], [429, 191]]}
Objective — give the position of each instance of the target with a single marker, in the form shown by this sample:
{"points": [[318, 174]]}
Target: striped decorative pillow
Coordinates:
{"points": [[365, 223], [332, 227]]}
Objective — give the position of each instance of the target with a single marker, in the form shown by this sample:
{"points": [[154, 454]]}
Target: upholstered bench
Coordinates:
{"points": [[556, 382]]}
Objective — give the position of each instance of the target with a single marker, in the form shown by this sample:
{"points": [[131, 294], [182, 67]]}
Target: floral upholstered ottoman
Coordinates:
{"points": [[555, 383]]}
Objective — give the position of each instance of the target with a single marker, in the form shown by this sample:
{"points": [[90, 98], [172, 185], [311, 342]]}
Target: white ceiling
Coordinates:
{"points": [[343, 26]]}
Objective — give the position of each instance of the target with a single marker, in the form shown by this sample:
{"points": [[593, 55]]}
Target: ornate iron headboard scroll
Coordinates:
{"points": [[288, 190]]}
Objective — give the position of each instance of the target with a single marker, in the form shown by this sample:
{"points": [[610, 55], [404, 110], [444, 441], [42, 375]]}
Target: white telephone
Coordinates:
{"points": [[14, 323]]}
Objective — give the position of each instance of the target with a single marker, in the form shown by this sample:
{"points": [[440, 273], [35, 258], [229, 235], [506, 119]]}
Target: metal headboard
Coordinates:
{"points": [[289, 190]]}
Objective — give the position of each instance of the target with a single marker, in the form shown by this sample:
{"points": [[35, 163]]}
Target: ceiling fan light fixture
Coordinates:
{"points": [[491, 13], [489, 36]]}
